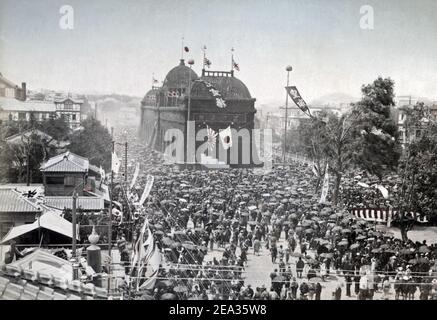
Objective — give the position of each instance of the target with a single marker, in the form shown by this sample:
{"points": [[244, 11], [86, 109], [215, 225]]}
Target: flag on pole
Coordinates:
{"points": [[115, 163], [102, 173], [207, 62], [154, 81], [149, 183], [297, 98], [325, 186], [226, 138], [134, 178], [186, 49], [211, 134], [383, 190], [235, 65], [315, 170]]}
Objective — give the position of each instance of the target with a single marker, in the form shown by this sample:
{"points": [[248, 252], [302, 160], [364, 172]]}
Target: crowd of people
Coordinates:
{"points": [[235, 213]]}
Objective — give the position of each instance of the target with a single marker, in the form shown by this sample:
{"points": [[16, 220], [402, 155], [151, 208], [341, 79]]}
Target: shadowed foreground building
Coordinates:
{"points": [[218, 100]]}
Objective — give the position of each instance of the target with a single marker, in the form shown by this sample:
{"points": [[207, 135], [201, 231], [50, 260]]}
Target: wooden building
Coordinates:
{"points": [[64, 174]]}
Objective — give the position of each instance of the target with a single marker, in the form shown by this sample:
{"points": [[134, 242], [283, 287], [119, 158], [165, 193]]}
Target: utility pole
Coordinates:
{"points": [[73, 218], [288, 69], [125, 163], [110, 217]]}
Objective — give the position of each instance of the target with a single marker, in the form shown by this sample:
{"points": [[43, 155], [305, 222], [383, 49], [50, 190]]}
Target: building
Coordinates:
{"points": [[217, 100], [12, 109], [69, 108], [8, 89], [15, 210], [64, 174]]}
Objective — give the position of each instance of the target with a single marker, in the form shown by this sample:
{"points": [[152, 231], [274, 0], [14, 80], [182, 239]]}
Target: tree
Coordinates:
{"points": [[93, 142], [375, 135], [365, 137], [418, 168]]}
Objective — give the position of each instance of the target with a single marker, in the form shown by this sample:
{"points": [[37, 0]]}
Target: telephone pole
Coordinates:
{"points": [[73, 219]]}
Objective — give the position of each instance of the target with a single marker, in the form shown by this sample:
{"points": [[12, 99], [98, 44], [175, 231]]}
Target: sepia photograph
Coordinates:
{"points": [[242, 152]]}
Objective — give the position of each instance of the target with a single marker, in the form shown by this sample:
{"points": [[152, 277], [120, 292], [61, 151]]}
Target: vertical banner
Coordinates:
{"points": [[147, 188], [134, 178]]}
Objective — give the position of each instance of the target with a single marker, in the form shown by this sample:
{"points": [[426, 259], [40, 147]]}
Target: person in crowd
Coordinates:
{"points": [[300, 265]]}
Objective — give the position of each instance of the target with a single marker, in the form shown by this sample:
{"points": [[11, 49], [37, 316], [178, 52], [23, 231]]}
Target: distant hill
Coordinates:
{"points": [[334, 98]]}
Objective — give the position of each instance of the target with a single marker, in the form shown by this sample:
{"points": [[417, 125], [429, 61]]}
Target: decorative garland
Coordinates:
{"points": [[219, 101]]}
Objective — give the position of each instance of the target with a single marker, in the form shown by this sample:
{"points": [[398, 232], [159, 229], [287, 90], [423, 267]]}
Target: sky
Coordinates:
{"points": [[116, 46]]}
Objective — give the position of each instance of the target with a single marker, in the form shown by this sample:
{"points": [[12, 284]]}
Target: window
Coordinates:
{"points": [[68, 105], [69, 181], [22, 116], [73, 117], [55, 180]]}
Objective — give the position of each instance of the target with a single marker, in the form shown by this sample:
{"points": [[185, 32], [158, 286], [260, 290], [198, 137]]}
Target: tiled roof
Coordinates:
{"points": [[7, 81], [13, 201], [84, 203], [12, 104], [66, 162], [19, 284], [17, 138]]}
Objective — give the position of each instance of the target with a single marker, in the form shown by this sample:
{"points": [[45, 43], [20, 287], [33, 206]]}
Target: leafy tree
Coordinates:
{"points": [[375, 135], [418, 168], [365, 137], [56, 127], [93, 142]]}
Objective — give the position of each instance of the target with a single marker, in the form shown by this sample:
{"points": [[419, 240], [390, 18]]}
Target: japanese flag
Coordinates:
{"points": [[226, 138], [115, 163]]}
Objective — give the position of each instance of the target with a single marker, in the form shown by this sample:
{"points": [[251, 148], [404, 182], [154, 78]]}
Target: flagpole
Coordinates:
{"points": [[182, 49], [232, 60], [288, 69]]}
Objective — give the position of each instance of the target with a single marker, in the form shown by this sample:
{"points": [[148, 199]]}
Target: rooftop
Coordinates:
{"points": [[12, 104], [13, 201], [84, 203], [66, 162]]}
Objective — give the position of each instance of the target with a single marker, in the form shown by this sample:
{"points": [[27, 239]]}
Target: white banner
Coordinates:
{"points": [[134, 178], [115, 163], [147, 188]]}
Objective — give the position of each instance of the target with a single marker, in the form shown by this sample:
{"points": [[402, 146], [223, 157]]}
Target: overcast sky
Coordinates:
{"points": [[115, 46]]}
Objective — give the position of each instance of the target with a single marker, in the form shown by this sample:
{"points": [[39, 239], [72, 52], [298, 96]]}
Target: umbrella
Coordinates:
{"points": [[361, 238], [424, 249], [343, 243], [377, 250], [296, 254], [336, 228], [168, 296], [164, 284], [251, 208], [309, 231], [180, 289], [327, 255], [158, 232], [406, 251], [384, 246], [245, 214], [167, 241], [315, 280], [354, 246], [345, 231]]}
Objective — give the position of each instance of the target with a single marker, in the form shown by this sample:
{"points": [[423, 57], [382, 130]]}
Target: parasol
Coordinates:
{"points": [[180, 289], [424, 249], [315, 280], [168, 296], [354, 246]]}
